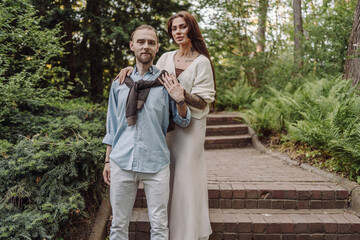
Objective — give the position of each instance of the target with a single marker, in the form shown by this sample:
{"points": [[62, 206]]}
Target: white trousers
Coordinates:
{"points": [[123, 189]]}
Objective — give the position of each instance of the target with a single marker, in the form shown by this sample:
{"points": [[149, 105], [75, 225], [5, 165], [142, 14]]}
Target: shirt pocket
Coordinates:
{"points": [[156, 99], [156, 109]]}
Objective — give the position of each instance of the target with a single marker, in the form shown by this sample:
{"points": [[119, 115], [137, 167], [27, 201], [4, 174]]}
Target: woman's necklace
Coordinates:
{"points": [[187, 59]]}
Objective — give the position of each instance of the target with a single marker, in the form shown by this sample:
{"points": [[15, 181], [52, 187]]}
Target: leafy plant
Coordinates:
{"points": [[239, 97], [321, 113], [50, 147], [44, 178]]}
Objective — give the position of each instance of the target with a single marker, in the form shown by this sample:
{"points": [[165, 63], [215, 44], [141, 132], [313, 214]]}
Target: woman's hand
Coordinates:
{"points": [[172, 85], [123, 73]]}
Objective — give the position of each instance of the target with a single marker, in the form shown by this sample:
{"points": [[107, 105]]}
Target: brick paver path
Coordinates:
{"points": [[248, 165], [244, 178]]}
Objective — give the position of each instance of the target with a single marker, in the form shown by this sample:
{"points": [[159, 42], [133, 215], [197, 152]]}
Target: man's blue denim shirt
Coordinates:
{"points": [[141, 147]]}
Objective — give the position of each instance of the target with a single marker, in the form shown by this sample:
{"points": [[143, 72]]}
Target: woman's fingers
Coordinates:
{"points": [[129, 72], [166, 82], [117, 76], [174, 88], [169, 81], [123, 73], [122, 76], [161, 80], [172, 78]]}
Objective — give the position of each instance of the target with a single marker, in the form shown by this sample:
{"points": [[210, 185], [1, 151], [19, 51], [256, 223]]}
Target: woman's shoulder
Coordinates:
{"points": [[202, 61], [164, 60], [203, 58]]}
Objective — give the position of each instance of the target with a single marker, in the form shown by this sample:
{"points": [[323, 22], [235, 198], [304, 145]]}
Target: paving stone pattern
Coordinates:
{"points": [[254, 196]]}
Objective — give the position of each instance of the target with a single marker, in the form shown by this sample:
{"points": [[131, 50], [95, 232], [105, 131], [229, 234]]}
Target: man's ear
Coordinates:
{"points": [[131, 46], [158, 47]]}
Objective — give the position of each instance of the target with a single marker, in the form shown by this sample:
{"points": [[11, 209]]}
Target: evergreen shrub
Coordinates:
{"points": [[46, 177], [51, 156]]}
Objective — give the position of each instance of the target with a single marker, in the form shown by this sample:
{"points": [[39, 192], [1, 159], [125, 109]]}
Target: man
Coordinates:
{"points": [[136, 145]]}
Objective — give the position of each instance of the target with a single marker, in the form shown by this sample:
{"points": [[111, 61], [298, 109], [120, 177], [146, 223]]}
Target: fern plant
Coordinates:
{"points": [[238, 97], [322, 113]]}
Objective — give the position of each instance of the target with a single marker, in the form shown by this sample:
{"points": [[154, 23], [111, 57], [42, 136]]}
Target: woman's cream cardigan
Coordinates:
{"points": [[197, 79]]}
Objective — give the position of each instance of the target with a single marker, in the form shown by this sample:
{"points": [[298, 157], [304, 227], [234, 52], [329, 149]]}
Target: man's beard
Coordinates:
{"points": [[145, 59]]}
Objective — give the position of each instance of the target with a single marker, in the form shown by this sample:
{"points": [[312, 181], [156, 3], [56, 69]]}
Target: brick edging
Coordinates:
{"points": [[98, 230], [351, 186]]}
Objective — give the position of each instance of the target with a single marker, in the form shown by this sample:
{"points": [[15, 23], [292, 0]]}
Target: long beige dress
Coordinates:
{"points": [[188, 204]]}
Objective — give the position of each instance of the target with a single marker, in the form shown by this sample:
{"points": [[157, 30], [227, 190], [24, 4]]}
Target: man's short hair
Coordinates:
{"points": [[144, 26]]}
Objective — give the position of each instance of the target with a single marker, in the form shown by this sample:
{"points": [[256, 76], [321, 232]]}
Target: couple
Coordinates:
{"points": [[137, 121]]}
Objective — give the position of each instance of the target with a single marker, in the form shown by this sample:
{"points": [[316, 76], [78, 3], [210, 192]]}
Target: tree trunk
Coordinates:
{"points": [[95, 50], [298, 30], [352, 63], [262, 10], [69, 47], [257, 70]]}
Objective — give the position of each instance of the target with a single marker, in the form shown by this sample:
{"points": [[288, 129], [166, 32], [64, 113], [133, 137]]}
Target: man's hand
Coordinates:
{"points": [[106, 173], [172, 85], [123, 73]]}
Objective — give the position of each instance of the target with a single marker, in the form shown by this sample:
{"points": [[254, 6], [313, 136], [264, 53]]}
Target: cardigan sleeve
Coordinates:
{"points": [[203, 85]]}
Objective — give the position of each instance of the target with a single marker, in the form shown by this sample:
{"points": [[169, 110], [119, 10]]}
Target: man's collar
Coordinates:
{"points": [[152, 70]]}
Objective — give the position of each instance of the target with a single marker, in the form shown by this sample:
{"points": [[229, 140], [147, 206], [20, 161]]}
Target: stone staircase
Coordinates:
{"points": [[226, 131], [254, 196]]}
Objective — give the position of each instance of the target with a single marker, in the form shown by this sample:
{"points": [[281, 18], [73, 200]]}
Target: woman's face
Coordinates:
{"points": [[179, 31]]}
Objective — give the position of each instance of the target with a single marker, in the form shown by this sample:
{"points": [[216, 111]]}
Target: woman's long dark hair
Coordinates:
{"points": [[194, 34]]}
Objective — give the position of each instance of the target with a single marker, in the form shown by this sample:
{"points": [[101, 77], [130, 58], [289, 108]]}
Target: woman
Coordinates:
{"points": [[188, 204]]}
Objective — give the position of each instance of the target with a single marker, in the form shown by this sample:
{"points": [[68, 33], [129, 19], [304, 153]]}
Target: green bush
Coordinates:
{"points": [[25, 76], [269, 115], [238, 97], [45, 177], [331, 122], [323, 113], [50, 147]]}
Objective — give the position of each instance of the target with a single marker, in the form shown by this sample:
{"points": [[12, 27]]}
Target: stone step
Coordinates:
{"points": [[261, 224], [223, 119], [229, 129], [275, 195], [222, 142]]}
